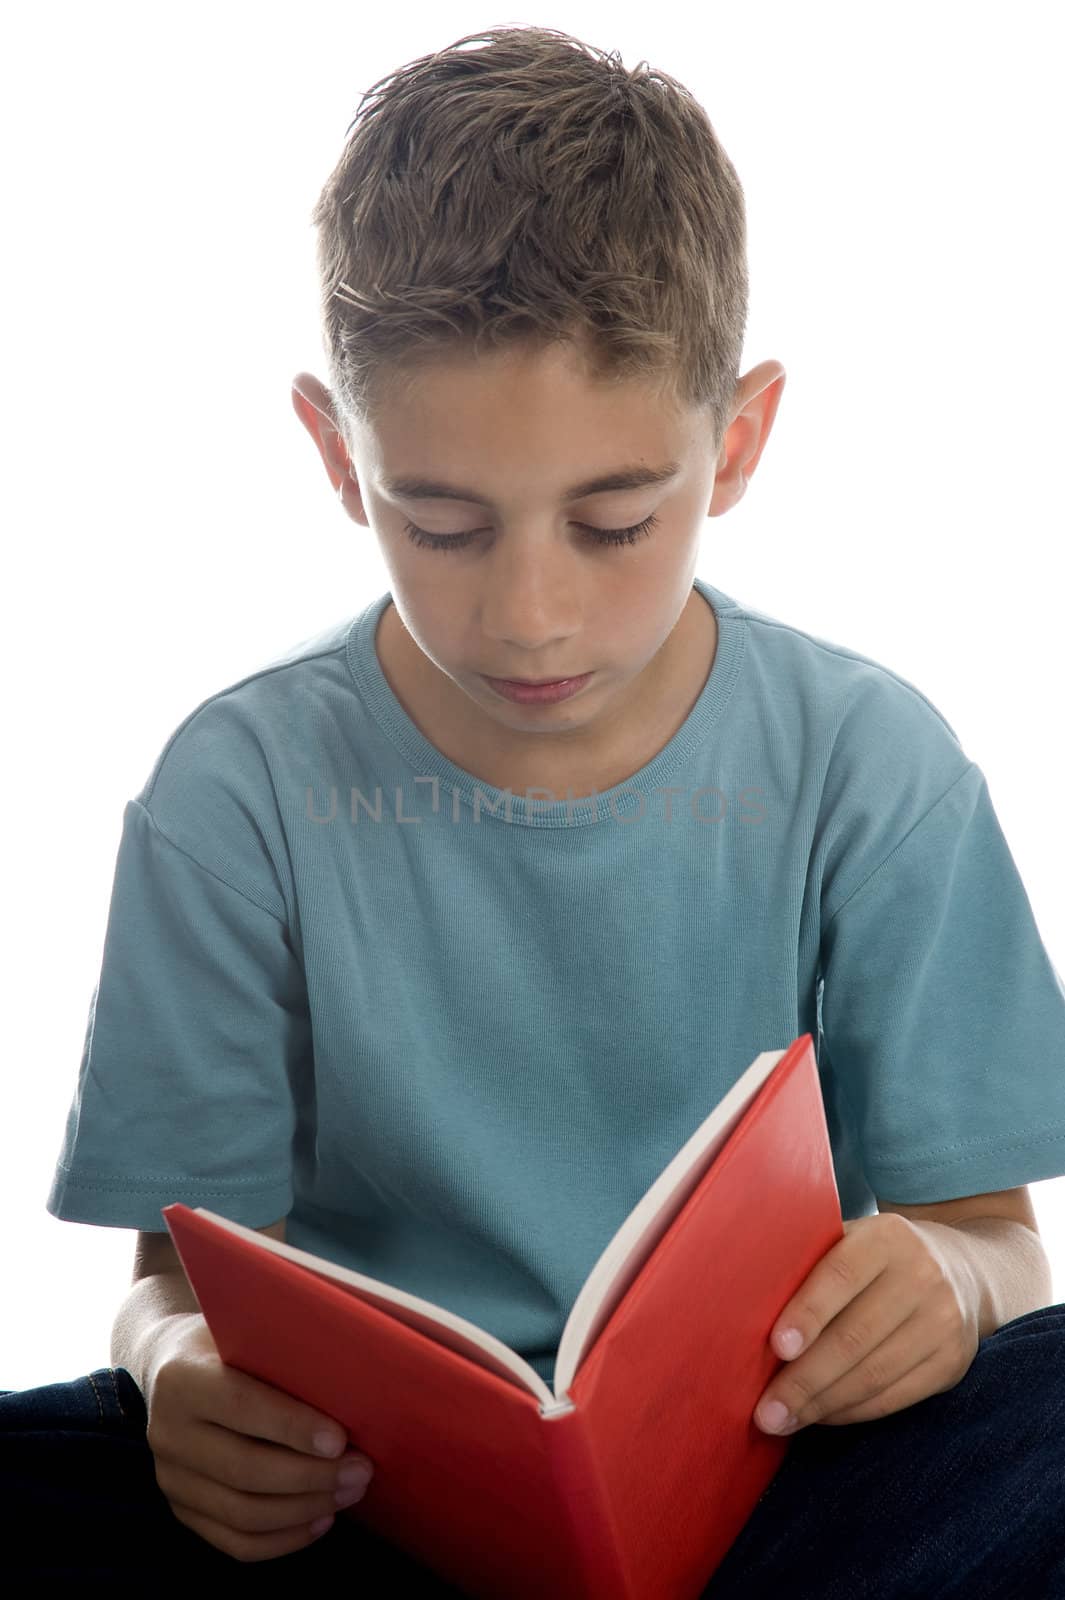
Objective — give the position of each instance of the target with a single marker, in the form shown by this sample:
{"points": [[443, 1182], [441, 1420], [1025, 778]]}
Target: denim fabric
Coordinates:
{"points": [[960, 1497], [80, 1499]]}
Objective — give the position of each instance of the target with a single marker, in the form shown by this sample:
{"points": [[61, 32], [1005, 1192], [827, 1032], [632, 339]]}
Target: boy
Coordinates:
{"points": [[432, 941]]}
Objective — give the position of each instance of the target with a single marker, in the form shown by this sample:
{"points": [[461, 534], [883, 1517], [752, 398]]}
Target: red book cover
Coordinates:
{"points": [[631, 1479]]}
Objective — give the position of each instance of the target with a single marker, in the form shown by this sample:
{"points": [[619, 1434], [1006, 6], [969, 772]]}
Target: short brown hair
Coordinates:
{"points": [[527, 193]]}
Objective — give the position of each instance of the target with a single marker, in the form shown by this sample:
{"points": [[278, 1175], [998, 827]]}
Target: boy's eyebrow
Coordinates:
{"points": [[636, 477]]}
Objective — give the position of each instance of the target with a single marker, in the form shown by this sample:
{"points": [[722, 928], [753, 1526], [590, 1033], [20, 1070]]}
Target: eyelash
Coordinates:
{"points": [[605, 536]]}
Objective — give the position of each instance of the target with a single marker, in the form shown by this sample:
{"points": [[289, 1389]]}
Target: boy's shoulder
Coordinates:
{"points": [[243, 721], [856, 748], [327, 641], [215, 788], [846, 691]]}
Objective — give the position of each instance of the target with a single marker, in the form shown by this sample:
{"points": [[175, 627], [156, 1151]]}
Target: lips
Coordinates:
{"points": [[547, 693]]}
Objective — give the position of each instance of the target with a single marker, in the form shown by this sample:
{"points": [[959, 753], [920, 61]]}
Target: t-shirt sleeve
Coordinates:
{"points": [[942, 1017], [197, 1037]]}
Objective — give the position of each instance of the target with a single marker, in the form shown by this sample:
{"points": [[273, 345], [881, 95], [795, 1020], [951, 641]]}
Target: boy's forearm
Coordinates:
{"points": [[148, 1314]]}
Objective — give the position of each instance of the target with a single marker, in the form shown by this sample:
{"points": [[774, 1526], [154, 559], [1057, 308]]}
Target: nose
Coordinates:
{"points": [[530, 597]]}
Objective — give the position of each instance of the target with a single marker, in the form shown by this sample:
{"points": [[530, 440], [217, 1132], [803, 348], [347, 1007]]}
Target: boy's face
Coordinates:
{"points": [[533, 594]]}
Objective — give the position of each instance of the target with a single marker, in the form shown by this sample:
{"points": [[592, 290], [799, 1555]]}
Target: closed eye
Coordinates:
{"points": [[606, 536]]}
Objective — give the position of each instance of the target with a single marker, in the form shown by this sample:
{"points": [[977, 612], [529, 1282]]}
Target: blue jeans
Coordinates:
{"points": [[960, 1497]]}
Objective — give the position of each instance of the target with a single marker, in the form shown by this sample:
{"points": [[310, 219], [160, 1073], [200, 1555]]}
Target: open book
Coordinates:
{"points": [[631, 1479]]}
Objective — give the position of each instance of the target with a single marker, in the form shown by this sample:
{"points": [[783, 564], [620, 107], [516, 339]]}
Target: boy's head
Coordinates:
{"points": [[533, 269]]}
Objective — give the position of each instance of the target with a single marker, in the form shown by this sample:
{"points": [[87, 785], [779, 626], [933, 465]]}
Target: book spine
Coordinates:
{"points": [[585, 1513]]}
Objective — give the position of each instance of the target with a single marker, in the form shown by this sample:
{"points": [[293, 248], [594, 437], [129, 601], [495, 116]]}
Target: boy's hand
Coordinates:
{"points": [[235, 1457], [889, 1316]]}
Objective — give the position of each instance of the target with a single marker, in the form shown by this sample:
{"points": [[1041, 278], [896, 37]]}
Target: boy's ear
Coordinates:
{"points": [[757, 398], [313, 404]]}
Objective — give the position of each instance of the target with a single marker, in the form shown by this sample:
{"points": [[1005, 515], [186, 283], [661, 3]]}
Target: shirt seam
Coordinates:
{"points": [[244, 895], [898, 845], [140, 1184], [1017, 1138]]}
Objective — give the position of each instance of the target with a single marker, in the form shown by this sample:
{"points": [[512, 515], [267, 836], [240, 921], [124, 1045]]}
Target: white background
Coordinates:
{"points": [[168, 525]]}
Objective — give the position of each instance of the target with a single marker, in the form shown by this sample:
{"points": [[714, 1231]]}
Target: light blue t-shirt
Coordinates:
{"points": [[453, 1037]]}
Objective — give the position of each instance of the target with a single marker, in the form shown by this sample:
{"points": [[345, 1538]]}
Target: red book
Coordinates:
{"points": [[631, 1480]]}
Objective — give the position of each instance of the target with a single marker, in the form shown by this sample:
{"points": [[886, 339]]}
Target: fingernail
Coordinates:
{"points": [[790, 1342], [773, 1416], [322, 1525], [348, 1497], [355, 1475]]}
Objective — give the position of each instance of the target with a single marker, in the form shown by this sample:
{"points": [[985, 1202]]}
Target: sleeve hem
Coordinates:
{"points": [[1011, 1163], [116, 1203]]}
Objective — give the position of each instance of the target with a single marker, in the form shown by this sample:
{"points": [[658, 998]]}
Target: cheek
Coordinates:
{"points": [[440, 629]]}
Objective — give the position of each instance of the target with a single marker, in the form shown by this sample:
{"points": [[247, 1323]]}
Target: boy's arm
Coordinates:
{"points": [[159, 1297], [953, 1282], [1000, 1241]]}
